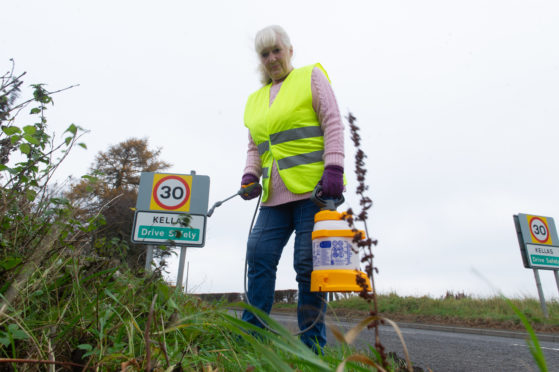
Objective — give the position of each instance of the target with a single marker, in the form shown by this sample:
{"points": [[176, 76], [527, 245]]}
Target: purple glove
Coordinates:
{"points": [[248, 179], [333, 181]]}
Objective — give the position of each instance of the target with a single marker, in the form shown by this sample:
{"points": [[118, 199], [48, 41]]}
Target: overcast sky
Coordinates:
{"points": [[457, 101]]}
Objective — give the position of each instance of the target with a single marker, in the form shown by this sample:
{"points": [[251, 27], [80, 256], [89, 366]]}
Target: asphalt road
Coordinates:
{"points": [[452, 351]]}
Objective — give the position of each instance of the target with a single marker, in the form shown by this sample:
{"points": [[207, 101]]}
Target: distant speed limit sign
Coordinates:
{"points": [[171, 192], [539, 229]]}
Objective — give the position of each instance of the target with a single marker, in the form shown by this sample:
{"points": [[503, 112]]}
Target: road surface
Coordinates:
{"points": [[451, 351]]}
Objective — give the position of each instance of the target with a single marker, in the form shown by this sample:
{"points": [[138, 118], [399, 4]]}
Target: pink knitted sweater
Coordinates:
{"points": [[325, 105]]}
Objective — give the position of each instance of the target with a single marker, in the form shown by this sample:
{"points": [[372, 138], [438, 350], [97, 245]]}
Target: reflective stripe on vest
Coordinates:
{"points": [[295, 134], [263, 147], [293, 161]]}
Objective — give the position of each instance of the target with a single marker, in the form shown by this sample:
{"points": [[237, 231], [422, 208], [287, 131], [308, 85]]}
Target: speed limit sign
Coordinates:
{"points": [[539, 229], [535, 229], [171, 192]]}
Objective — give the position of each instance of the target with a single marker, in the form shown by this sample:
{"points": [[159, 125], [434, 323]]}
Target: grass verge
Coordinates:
{"points": [[76, 313], [494, 312]]}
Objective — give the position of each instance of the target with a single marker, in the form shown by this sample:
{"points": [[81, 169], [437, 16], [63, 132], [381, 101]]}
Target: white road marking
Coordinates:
{"points": [[541, 347]]}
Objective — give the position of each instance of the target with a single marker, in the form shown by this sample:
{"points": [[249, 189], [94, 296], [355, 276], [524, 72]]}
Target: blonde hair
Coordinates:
{"points": [[268, 37]]}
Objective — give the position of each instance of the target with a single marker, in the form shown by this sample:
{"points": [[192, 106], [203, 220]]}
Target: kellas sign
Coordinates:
{"points": [[537, 237], [543, 257], [171, 209], [169, 228]]}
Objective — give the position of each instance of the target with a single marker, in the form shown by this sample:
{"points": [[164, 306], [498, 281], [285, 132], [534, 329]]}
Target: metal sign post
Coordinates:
{"points": [[149, 257], [539, 247], [540, 293], [187, 272], [171, 209], [180, 274]]}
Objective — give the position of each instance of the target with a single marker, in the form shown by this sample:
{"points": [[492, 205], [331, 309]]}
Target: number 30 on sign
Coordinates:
{"points": [[539, 230], [171, 192]]}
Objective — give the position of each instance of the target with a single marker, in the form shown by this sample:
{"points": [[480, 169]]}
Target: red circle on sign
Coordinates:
{"points": [[173, 207], [546, 230]]}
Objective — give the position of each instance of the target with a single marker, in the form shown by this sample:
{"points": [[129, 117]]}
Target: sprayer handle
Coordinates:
{"points": [[250, 191], [247, 189], [325, 202]]}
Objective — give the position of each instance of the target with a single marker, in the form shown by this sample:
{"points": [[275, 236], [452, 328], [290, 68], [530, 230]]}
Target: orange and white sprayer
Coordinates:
{"points": [[336, 262]]}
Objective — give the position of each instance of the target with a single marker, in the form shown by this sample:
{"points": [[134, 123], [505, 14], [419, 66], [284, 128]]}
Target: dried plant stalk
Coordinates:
{"points": [[365, 245]]}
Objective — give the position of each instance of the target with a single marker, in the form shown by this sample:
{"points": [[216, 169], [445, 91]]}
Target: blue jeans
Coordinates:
{"points": [[270, 234]]}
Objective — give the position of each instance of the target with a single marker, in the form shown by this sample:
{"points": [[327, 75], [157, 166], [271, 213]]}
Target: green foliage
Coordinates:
{"points": [[34, 143], [267, 344], [11, 335], [28, 158], [83, 310], [278, 350]]}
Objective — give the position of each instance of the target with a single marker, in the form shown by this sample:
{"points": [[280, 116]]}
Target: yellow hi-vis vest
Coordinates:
{"points": [[288, 132]]}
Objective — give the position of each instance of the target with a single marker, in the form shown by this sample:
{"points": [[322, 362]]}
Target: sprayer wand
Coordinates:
{"points": [[243, 190]]}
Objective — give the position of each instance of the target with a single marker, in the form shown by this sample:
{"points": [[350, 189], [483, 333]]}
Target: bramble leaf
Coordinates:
{"points": [[10, 262], [11, 130], [16, 332], [4, 341], [29, 129], [72, 129], [29, 138], [25, 148], [30, 195], [15, 139]]}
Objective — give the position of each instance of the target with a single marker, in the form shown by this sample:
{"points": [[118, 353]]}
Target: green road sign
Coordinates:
{"points": [[162, 228], [543, 257], [164, 232]]}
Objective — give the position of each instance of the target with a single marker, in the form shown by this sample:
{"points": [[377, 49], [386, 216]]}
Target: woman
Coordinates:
{"points": [[295, 142]]}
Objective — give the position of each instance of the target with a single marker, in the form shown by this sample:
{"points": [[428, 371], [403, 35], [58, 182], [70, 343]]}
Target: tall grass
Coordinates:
{"points": [[96, 317], [83, 314]]}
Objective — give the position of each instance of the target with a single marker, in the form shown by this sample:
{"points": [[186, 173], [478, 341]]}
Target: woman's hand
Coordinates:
{"points": [[249, 179], [333, 181]]}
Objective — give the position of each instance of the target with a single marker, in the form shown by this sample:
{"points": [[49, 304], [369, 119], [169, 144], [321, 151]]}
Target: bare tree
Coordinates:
{"points": [[112, 189]]}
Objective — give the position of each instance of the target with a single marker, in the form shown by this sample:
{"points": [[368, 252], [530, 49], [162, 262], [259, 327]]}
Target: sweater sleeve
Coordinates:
{"points": [[326, 107], [253, 165]]}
